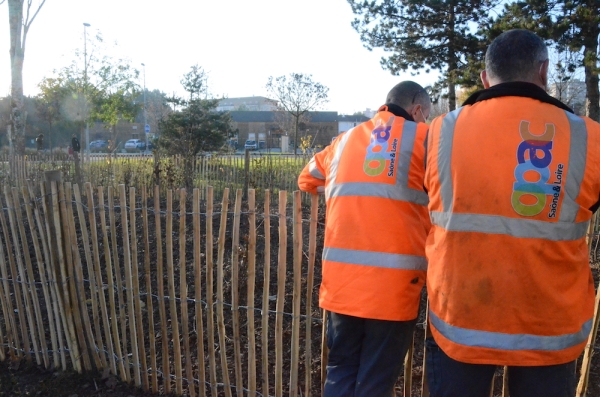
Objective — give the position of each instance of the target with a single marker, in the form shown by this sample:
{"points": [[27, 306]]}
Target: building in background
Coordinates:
{"points": [[253, 103]]}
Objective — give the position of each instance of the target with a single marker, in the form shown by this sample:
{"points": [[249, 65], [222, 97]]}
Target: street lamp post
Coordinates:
{"points": [[145, 123], [87, 127]]}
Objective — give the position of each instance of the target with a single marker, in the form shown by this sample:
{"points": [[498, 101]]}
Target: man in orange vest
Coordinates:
{"points": [[374, 253], [513, 179]]}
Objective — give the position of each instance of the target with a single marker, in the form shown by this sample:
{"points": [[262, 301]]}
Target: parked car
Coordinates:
{"points": [[98, 146], [251, 145], [135, 145]]}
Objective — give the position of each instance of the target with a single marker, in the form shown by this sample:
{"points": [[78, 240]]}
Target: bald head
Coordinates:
{"points": [[411, 97], [516, 55]]}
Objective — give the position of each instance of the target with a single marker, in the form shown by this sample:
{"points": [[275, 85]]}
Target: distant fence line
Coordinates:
{"points": [[259, 171], [173, 293]]}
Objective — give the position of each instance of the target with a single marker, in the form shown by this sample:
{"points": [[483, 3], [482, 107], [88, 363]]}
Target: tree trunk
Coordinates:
{"points": [[592, 103], [296, 122], [17, 116], [452, 62]]}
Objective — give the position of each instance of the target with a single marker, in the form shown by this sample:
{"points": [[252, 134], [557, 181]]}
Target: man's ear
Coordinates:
{"points": [[484, 79], [544, 73]]}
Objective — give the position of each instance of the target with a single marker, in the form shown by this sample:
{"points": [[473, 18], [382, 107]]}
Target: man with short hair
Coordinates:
{"points": [[374, 253], [513, 179]]}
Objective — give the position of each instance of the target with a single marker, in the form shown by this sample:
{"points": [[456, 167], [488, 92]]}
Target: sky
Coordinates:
{"points": [[240, 43]]}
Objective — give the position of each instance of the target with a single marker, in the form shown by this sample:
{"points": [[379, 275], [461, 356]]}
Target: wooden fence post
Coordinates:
{"points": [[246, 172]]}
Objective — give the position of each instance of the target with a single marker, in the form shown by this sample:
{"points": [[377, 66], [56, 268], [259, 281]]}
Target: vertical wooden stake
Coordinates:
{"points": [[250, 296], [265, 297], [297, 292], [209, 291], [198, 292], [235, 276], [164, 336], [149, 303], [281, 270], [310, 277], [220, 299], [173, 297]]}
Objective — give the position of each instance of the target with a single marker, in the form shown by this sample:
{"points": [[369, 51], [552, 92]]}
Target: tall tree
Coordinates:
{"points": [[21, 15], [48, 103], [572, 26], [195, 126], [100, 88], [297, 94], [425, 35]]}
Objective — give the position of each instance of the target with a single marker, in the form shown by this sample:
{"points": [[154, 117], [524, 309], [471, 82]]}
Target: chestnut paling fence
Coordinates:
{"points": [[171, 292]]}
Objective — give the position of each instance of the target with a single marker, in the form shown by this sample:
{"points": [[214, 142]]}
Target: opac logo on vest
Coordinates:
{"points": [[377, 152], [533, 186]]}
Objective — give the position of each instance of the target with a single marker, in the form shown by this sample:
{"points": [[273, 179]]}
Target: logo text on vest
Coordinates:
{"points": [[377, 151], [532, 175]]}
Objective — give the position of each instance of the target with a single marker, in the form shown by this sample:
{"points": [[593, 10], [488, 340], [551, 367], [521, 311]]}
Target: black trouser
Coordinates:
{"points": [[447, 377], [365, 355]]}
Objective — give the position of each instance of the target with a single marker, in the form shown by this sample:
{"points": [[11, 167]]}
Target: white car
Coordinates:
{"points": [[134, 145]]}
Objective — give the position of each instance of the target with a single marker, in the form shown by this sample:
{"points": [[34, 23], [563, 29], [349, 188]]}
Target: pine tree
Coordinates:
{"points": [[571, 26], [426, 35]]}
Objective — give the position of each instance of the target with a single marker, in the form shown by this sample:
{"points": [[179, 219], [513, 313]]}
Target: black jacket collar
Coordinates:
{"points": [[517, 88], [396, 111]]}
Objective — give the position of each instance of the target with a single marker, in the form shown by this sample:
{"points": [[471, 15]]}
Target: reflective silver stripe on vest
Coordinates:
{"points": [[576, 168], [523, 228], [399, 191], [335, 162], [376, 259], [313, 170], [497, 340], [445, 158], [366, 189]]}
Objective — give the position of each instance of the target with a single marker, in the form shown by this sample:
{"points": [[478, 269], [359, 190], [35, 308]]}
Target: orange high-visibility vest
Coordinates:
{"points": [[511, 181], [376, 222]]}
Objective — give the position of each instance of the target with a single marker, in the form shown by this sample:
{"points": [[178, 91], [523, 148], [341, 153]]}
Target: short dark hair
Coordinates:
{"points": [[408, 93], [515, 55]]}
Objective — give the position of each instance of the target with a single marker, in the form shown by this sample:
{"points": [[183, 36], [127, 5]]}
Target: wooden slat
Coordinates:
{"points": [[119, 281], [53, 267], [408, 363], [149, 302], [133, 340], [173, 297], [297, 292], [77, 287], [69, 275], [281, 270], [110, 282], [7, 306], [235, 293], [212, 360], [47, 278], [220, 299], [251, 286], [93, 285], [588, 352], [30, 274], [198, 292], [164, 336], [424, 384], [41, 270], [183, 292], [265, 297], [139, 322], [310, 277], [22, 277], [324, 351]]}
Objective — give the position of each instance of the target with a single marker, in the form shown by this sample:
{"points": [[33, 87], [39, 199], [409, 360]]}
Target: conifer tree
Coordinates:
{"points": [[425, 35]]}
